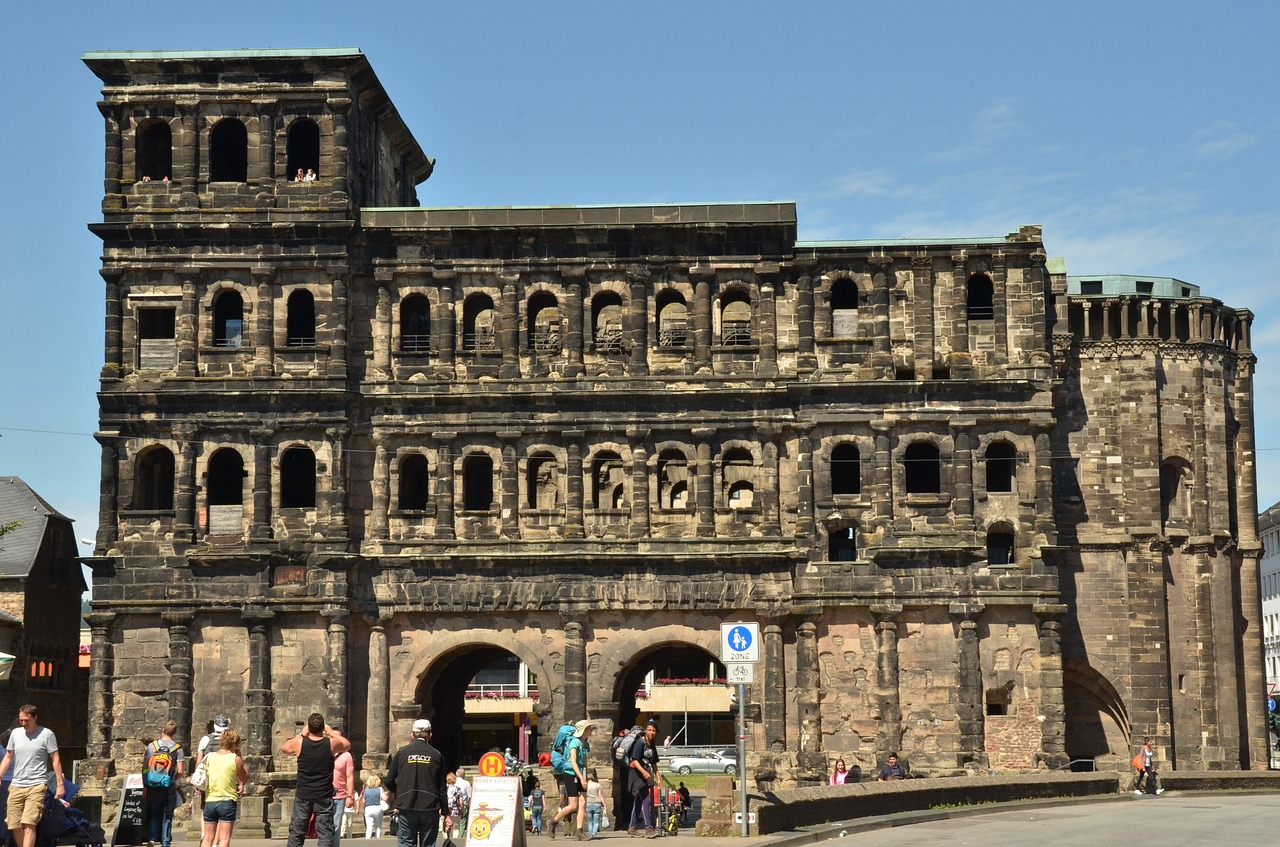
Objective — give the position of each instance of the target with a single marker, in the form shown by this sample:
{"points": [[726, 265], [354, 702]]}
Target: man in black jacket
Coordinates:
{"points": [[417, 777]]}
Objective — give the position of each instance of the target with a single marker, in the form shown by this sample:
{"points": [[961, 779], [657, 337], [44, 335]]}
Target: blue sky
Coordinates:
{"points": [[1143, 137]]}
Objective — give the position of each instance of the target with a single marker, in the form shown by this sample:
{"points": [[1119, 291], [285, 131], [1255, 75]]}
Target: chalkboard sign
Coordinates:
{"points": [[131, 824]]}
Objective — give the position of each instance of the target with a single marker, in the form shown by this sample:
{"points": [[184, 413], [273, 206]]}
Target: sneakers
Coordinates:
{"points": [[631, 832], [582, 836], [1159, 791], [552, 830], [1136, 791], [650, 832]]}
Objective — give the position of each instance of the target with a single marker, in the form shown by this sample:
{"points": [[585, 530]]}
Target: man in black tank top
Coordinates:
{"points": [[316, 747]]}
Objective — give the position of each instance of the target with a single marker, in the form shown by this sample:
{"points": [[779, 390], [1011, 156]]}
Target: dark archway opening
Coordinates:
{"points": [[154, 152], [229, 152], [303, 148]]}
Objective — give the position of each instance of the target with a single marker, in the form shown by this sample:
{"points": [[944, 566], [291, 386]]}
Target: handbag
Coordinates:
{"points": [[604, 820], [198, 776]]}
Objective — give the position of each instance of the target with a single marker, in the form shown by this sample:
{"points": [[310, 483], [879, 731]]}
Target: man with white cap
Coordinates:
{"points": [[575, 779], [417, 778]]}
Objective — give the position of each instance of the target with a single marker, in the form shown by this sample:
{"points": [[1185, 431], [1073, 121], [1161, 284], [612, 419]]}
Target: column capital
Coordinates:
{"points": [[966, 614], [886, 612], [256, 616], [100, 620], [920, 264], [881, 262], [1047, 612], [178, 618]]}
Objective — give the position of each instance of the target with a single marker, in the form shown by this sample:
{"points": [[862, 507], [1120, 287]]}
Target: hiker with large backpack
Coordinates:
{"points": [[642, 779], [162, 766], [570, 764]]}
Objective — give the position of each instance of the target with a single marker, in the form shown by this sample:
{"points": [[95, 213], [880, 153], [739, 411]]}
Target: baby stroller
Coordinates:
{"points": [[61, 823]]}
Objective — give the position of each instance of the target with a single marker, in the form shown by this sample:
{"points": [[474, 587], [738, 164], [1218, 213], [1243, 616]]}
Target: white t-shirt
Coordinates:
{"points": [[31, 755]]}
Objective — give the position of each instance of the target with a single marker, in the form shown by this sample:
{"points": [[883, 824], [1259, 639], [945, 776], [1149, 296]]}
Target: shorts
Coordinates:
{"points": [[220, 811], [572, 787], [26, 805]]}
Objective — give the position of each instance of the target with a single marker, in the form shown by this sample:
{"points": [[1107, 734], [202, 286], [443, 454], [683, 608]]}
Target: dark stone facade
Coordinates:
{"points": [[353, 449]]}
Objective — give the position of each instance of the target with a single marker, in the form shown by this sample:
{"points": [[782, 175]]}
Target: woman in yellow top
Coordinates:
{"points": [[225, 778]]}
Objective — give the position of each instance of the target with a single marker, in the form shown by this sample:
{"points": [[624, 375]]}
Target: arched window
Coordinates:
{"points": [[606, 322], [1182, 324], [478, 323], [301, 323], [415, 324], [739, 478], [844, 309], [606, 481], [1002, 466], [673, 320], [412, 494], [298, 479], [543, 323], [303, 148], [735, 320], [673, 480], [542, 487], [477, 483], [226, 478], [1000, 545], [153, 480], [979, 298], [229, 152], [923, 468], [846, 470], [154, 151], [228, 319], [842, 544]]}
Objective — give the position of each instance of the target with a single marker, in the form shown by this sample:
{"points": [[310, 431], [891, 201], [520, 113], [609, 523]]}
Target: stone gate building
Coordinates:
{"points": [[353, 449]]}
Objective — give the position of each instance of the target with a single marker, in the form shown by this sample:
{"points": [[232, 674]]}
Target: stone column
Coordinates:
{"points": [[1046, 527], [888, 698], [999, 308], [378, 698], [266, 170], [180, 669], [186, 146], [444, 486], [338, 319], [770, 519], [509, 496], [639, 483], [338, 108], [807, 360], [101, 676], [383, 333], [1039, 285], [509, 326], [881, 283], [703, 495], [768, 364], [774, 689], [573, 527], [186, 330], [113, 339], [337, 484], [260, 529], [380, 512], [108, 518], [574, 286], [962, 478], [264, 326], [701, 317], [184, 495], [335, 681], [959, 310], [575, 671], [638, 316], [444, 326], [260, 717], [804, 487], [969, 692], [811, 764], [1053, 712], [113, 144], [924, 352], [882, 476]]}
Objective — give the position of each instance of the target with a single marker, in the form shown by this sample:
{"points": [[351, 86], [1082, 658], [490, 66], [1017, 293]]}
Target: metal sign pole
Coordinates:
{"points": [[742, 756]]}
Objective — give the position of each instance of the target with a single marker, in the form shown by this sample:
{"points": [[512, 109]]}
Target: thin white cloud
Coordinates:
{"points": [[992, 124], [1222, 139], [862, 183]]}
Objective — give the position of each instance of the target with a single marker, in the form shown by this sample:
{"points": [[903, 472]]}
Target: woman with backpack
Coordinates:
{"points": [[575, 779]]}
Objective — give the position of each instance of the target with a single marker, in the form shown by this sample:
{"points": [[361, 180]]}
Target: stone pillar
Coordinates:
{"points": [[701, 317], [770, 519], [186, 144], [101, 676], [888, 698], [335, 681], [338, 108], [807, 360], [113, 144], [575, 671], [264, 326], [969, 691], [184, 495], [444, 486], [804, 487], [180, 668], [186, 330], [882, 476], [260, 711], [959, 309], [266, 170], [112, 341], [638, 316], [260, 529], [444, 326], [380, 511], [768, 364], [1053, 712], [108, 519], [383, 333], [1039, 286], [962, 478], [337, 484], [378, 698], [574, 286], [509, 326], [811, 764], [773, 691], [573, 527], [639, 483], [703, 495], [924, 353], [1046, 527], [338, 319], [881, 283], [999, 308], [508, 497]]}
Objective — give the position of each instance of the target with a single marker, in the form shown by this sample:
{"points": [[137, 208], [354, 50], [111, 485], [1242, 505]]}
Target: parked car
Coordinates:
{"points": [[703, 763]]}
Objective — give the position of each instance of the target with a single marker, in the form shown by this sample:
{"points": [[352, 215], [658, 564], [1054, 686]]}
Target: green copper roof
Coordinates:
{"points": [[244, 53]]}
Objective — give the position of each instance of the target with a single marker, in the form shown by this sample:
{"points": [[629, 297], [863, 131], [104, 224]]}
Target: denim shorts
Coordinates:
{"points": [[220, 811]]}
